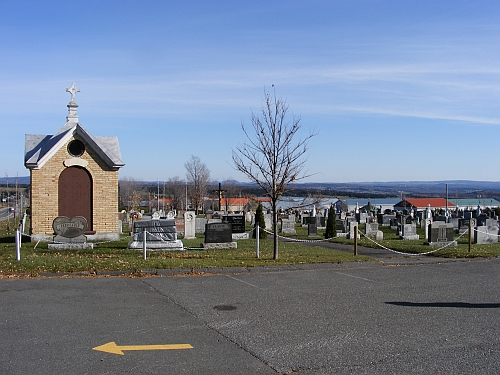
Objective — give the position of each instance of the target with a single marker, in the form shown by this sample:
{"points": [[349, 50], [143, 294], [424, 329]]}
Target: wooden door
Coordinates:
{"points": [[75, 194]]}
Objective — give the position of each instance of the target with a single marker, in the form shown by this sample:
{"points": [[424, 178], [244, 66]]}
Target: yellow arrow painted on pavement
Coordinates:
{"points": [[112, 348]]}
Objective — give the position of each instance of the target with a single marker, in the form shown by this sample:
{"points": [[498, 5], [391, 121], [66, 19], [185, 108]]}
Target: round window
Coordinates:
{"points": [[76, 148]]}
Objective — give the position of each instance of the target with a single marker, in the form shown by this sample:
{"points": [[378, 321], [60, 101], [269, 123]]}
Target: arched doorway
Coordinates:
{"points": [[75, 194]]}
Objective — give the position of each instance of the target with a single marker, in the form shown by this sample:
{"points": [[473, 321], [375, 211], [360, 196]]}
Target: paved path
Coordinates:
{"points": [[352, 318]]}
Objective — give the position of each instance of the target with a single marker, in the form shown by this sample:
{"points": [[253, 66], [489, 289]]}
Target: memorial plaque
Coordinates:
{"points": [[218, 233]]}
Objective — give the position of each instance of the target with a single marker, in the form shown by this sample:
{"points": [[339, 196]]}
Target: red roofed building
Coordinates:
{"points": [[421, 204]]}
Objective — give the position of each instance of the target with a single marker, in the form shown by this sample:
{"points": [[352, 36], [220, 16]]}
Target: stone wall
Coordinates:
{"points": [[44, 193]]}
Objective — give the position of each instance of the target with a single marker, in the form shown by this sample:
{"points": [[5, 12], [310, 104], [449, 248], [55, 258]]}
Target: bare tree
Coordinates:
{"points": [[272, 157], [130, 193], [197, 175], [176, 191]]}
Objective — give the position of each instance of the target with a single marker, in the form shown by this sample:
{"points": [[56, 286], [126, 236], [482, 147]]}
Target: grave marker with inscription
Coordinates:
{"points": [[219, 236], [69, 233], [441, 233], [161, 234]]}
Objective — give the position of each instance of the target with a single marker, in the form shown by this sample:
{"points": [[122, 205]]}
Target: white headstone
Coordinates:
{"points": [[189, 225]]}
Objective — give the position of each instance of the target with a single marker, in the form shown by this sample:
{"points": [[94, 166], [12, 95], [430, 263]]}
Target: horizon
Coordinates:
{"points": [[397, 91]]}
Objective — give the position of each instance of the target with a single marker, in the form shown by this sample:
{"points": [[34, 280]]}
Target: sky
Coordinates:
{"points": [[395, 90]]}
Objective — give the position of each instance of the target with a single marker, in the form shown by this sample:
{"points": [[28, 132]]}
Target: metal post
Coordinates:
{"points": [[18, 250], [356, 240], [144, 252], [257, 238], [470, 235]]}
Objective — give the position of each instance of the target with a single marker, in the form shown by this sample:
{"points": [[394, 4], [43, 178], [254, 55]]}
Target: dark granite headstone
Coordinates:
{"points": [[341, 226], [440, 231], [69, 230], [218, 233], [312, 230], [237, 222], [157, 230]]}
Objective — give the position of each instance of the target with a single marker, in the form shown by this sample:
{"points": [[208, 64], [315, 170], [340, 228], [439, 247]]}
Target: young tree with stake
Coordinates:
{"points": [[272, 157]]}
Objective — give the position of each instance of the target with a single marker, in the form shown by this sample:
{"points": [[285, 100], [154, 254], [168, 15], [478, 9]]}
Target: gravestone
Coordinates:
{"points": [[441, 233], [486, 234], [427, 222], [189, 225], [69, 233], [385, 219], [409, 232], [455, 221], [371, 230], [237, 222], [341, 225], [268, 219], [361, 217], [200, 225], [219, 236], [312, 230], [161, 234], [352, 225], [288, 227]]}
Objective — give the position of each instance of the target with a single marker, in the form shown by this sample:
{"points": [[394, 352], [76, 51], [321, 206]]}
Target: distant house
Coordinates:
{"points": [[421, 204], [234, 204]]}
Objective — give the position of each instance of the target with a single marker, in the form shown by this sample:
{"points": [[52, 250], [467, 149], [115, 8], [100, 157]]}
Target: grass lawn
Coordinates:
{"points": [[36, 259]]}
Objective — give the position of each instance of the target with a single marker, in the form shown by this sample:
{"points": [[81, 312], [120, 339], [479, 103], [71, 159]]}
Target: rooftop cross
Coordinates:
{"points": [[73, 90]]}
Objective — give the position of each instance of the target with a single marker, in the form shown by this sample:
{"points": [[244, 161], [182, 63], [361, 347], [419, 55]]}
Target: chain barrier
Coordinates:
{"points": [[299, 240], [489, 234], [289, 239], [414, 254], [38, 240], [203, 248]]}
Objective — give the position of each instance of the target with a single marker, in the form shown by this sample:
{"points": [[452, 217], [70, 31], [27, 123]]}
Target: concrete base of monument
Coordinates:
{"points": [[411, 237], [443, 243], [220, 245], [157, 245], [240, 236], [71, 246]]}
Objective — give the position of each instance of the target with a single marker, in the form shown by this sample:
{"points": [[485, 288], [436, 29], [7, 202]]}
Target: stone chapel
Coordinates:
{"points": [[73, 173]]}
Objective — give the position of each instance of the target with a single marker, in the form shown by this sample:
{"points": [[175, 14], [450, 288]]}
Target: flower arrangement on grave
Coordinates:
{"points": [[134, 215]]}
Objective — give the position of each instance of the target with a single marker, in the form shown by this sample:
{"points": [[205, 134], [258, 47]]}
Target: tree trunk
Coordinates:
{"points": [[275, 229]]}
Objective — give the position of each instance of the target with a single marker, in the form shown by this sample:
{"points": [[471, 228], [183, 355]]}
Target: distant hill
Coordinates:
{"points": [[25, 180], [456, 188]]}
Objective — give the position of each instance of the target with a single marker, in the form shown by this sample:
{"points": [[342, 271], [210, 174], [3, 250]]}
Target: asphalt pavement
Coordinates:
{"points": [[433, 317]]}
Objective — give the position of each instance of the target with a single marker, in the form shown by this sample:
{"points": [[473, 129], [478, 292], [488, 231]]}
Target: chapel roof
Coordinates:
{"points": [[38, 149]]}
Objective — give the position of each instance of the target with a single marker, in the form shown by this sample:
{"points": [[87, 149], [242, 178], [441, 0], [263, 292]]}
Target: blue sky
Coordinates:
{"points": [[396, 90]]}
